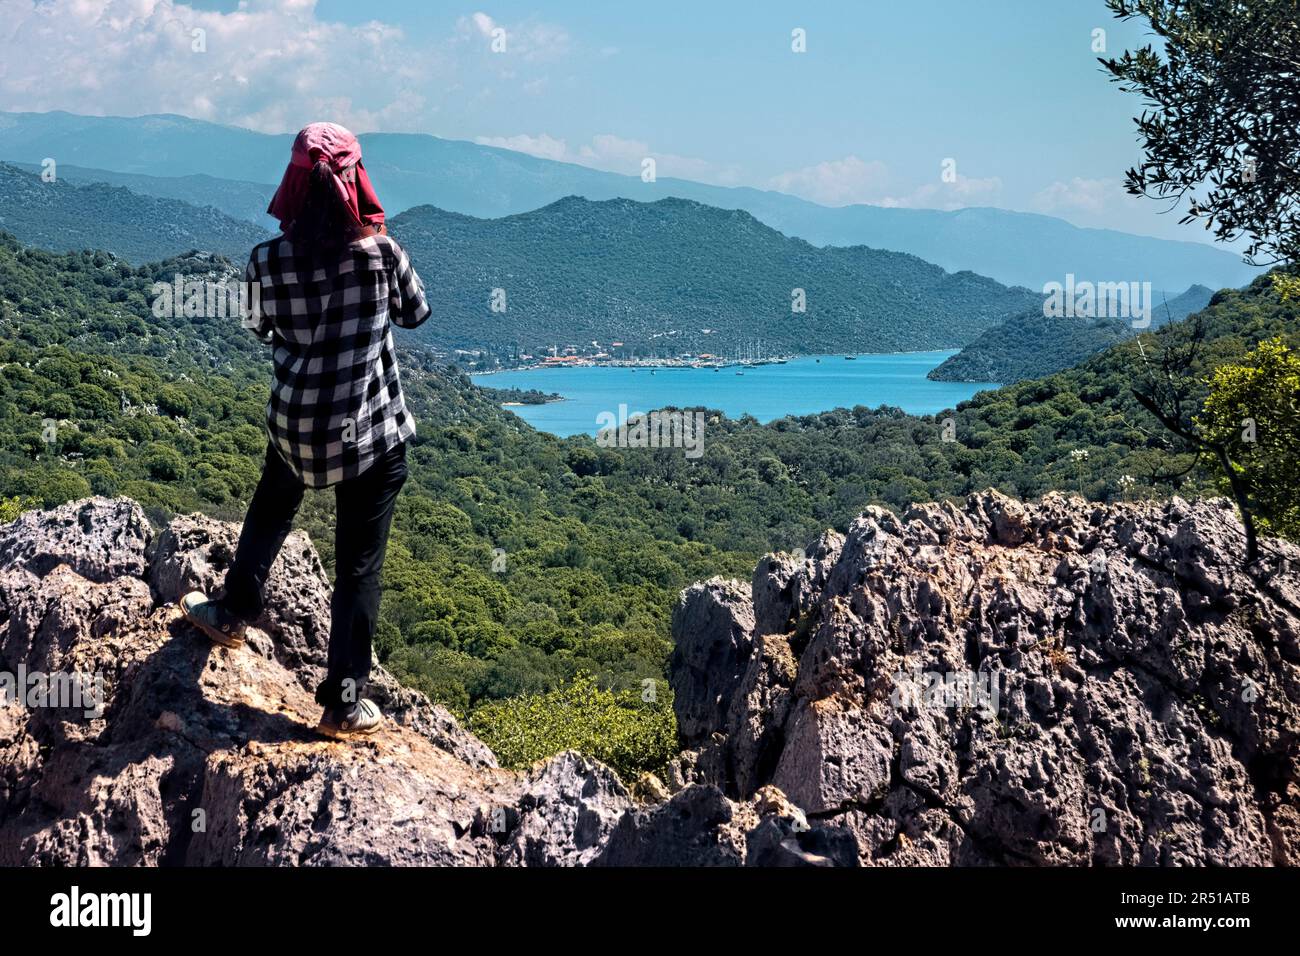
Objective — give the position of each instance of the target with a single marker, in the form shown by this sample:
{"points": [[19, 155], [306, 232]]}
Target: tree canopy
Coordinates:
{"points": [[1221, 120]]}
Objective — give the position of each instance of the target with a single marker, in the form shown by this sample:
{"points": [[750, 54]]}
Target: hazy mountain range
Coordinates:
{"points": [[235, 171]]}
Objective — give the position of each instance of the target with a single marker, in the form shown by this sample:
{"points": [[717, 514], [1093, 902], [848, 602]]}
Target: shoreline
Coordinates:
{"points": [[685, 364], [880, 379]]}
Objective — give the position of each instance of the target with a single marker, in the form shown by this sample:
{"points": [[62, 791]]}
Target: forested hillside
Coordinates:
{"points": [[1031, 346], [663, 278], [519, 558], [64, 217], [236, 198], [675, 275]]}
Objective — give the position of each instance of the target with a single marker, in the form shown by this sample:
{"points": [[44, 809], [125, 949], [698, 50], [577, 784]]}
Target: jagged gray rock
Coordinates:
{"points": [[562, 813], [709, 667], [698, 826], [776, 842], [201, 755], [100, 538], [194, 552], [1149, 686], [1148, 708]]}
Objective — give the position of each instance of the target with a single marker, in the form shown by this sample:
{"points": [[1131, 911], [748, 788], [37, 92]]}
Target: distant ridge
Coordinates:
{"points": [[414, 169], [1031, 346], [235, 197], [63, 217], [677, 276]]}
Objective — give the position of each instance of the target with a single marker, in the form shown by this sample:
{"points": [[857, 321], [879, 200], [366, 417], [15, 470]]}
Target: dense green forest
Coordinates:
{"points": [[1032, 346], [519, 396], [520, 559]]}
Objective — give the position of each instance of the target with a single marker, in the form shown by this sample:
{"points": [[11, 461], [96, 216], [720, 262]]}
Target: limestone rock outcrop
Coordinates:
{"points": [[1058, 683], [177, 752]]}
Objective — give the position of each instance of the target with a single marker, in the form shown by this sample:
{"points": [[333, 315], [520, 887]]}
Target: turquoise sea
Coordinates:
{"points": [[802, 386]]}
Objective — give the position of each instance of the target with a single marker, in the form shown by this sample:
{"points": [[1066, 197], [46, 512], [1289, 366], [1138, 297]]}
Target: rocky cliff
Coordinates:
{"points": [[1051, 684], [1059, 683]]}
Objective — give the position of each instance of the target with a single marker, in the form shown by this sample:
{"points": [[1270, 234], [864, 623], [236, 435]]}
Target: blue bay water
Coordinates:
{"points": [[802, 386]]}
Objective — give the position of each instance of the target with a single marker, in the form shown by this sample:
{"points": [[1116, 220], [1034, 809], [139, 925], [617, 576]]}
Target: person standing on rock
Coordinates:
{"points": [[324, 295]]}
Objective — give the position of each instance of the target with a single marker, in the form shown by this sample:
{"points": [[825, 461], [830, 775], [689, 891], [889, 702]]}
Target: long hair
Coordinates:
{"points": [[325, 223]]}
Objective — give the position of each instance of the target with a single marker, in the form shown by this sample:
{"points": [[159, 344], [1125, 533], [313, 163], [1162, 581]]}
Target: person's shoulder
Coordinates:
{"points": [[389, 248], [386, 242], [263, 251]]}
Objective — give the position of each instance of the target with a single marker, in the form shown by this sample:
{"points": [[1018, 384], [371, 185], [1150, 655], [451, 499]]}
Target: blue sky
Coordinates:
{"points": [[1008, 89]]}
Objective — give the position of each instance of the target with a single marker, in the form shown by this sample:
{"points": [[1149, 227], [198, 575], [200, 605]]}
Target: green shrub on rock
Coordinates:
{"points": [[618, 728]]}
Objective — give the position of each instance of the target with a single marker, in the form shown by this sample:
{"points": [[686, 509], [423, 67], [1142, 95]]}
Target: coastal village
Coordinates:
{"points": [[614, 354]]}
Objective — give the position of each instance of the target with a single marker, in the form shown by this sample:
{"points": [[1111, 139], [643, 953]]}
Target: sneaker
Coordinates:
{"points": [[213, 619], [353, 720]]}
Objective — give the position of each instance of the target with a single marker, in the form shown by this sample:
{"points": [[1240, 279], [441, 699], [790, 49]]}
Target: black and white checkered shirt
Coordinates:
{"points": [[336, 402]]}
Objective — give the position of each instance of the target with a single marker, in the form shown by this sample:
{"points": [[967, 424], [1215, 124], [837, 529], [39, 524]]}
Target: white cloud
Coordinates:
{"points": [[850, 180], [270, 65], [616, 154], [838, 182], [1104, 203], [530, 40], [960, 193], [1079, 195], [275, 65], [543, 146]]}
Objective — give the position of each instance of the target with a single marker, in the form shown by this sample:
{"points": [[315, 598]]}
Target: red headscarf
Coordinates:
{"points": [[340, 148]]}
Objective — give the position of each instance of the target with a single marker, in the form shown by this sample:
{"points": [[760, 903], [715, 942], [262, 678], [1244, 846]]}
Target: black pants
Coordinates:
{"points": [[364, 507]]}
